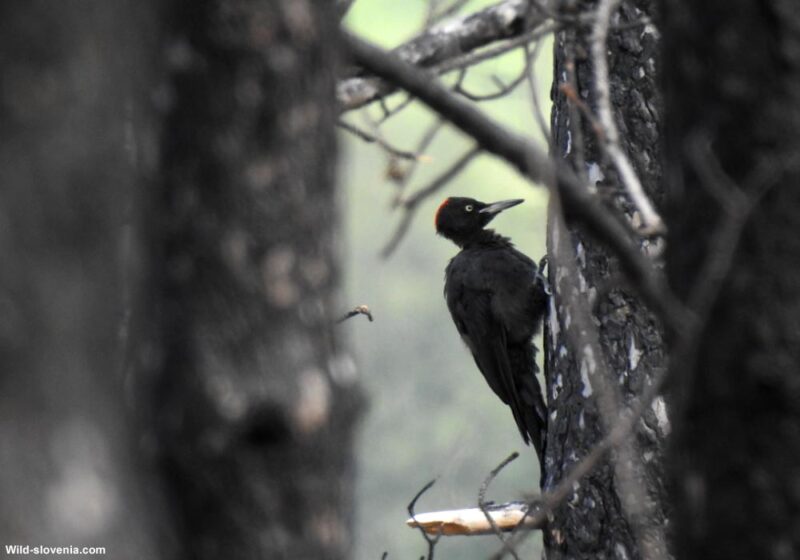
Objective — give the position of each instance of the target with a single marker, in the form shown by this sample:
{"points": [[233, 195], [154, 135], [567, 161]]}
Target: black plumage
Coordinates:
{"points": [[497, 299]]}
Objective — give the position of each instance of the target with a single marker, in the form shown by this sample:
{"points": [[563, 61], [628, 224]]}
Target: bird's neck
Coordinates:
{"points": [[484, 238]]}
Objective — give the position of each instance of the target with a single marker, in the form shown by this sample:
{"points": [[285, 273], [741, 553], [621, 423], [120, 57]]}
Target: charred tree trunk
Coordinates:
{"points": [[74, 84], [732, 71], [257, 396], [603, 347], [245, 393]]}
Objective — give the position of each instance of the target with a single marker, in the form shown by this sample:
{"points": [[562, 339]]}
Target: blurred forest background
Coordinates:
{"points": [[175, 383], [430, 412]]}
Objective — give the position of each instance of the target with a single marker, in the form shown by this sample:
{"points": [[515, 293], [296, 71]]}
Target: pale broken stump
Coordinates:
{"points": [[473, 521]]}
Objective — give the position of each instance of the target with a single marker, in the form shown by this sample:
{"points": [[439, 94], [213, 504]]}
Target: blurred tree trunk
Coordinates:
{"points": [[606, 517], [732, 75], [70, 473], [257, 396]]}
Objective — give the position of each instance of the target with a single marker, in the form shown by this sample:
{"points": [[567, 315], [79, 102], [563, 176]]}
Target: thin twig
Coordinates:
{"points": [[394, 170], [432, 541], [482, 504], [372, 139], [651, 220], [360, 310], [411, 203], [434, 17], [389, 113], [424, 143], [472, 59], [442, 180], [538, 114], [503, 89], [572, 96], [397, 236], [737, 207], [429, 14]]}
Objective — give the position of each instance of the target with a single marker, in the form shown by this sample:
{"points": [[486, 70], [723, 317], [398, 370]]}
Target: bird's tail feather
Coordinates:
{"points": [[532, 418]]}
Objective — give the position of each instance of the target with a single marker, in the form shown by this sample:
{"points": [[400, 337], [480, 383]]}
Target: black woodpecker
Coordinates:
{"points": [[497, 298]]}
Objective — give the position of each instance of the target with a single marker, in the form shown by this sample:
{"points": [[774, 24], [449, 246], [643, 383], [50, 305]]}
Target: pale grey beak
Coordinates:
{"points": [[497, 207]]}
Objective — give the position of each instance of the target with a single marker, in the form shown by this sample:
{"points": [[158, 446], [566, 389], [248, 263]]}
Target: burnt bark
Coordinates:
{"points": [[256, 393], [599, 333], [731, 72], [72, 145]]}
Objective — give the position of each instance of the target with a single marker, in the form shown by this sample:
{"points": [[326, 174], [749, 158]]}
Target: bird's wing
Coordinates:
{"points": [[515, 304], [486, 338]]}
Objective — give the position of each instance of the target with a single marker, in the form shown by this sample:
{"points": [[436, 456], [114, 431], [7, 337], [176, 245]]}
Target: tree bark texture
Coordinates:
{"points": [[73, 88], [257, 396], [603, 347], [732, 77]]}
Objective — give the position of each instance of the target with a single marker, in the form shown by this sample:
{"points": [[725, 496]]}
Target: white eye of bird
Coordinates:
{"points": [[468, 207]]}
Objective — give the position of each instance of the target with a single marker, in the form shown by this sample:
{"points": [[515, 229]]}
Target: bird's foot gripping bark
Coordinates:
{"points": [[541, 277]]}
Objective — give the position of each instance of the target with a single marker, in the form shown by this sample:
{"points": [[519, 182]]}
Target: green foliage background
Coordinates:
{"points": [[431, 414]]}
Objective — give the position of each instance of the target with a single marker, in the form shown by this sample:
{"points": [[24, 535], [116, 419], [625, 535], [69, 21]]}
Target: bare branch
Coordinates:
{"points": [[483, 504], [443, 42], [472, 521], [651, 220]]}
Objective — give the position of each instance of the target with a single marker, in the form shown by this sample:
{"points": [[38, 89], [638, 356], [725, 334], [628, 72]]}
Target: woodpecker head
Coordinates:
{"points": [[459, 218]]}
